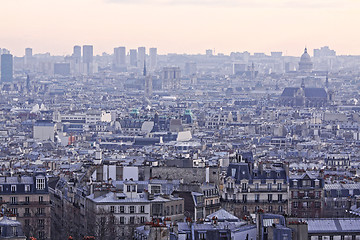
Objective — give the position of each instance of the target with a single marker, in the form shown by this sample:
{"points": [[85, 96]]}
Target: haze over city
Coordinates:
{"points": [[179, 119], [175, 26]]}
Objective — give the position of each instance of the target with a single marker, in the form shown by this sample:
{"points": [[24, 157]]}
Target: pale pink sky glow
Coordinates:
{"points": [[180, 26]]}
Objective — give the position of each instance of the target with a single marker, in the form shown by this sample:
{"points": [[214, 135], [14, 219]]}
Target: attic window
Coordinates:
{"points": [[278, 174], [233, 172]]}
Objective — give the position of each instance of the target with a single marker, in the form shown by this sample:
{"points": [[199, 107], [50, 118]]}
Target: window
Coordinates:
{"points": [[40, 183], [317, 194], [295, 183], [41, 223], [40, 211], [134, 188], [257, 186], [112, 209], [14, 231], [128, 188], [244, 198], [122, 220], [317, 204], [132, 209], [280, 208], [202, 236], [280, 197], [296, 204], [27, 222], [244, 208], [317, 183], [142, 219], [27, 212], [14, 211], [122, 209], [132, 220], [13, 200], [270, 208], [269, 186], [257, 197], [27, 200], [27, 188], [279, 186], [142, 209], [172, 210], [13, 188], [295, 194], [167, 210], [244, 186], [1, 188], [269, 197], [41, 235], [41, 199], [305, 204], [180, 208]]}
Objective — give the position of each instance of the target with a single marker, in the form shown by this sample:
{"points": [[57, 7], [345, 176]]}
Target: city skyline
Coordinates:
{"points": [[190, 27]]}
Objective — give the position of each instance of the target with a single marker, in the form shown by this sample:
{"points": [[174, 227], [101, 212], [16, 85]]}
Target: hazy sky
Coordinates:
{"points": [[181, 26]]}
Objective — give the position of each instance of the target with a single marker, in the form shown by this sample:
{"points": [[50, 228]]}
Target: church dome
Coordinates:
{"points": [[305, 57], [305, 64]]}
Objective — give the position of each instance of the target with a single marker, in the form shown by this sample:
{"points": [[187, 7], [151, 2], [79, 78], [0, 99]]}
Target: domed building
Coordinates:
{"points": [[305, 64]]}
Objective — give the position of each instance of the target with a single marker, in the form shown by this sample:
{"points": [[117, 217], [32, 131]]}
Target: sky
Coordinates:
{"points": [[180, 26]]}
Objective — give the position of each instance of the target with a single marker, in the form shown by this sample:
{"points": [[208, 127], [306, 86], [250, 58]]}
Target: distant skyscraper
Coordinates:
{"points": [[76, 60], [153, 58], [6, 68], [28, 52], [120, 56], [28, 59], [88, 56], [77, 52], [133, 57], [141, 57]]}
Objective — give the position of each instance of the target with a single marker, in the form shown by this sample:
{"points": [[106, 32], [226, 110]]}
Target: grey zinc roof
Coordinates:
{"points": [[315, 93], [223, 215], [333, 225]]}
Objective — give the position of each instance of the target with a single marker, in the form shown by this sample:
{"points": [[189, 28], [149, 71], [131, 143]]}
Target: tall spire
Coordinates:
{"points": [[144, 72], [303, 83]]}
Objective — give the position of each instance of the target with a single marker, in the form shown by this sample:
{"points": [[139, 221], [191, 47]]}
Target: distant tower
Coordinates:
{"points": [[252, 71], [88, 58], [153, 58], [120, 56], [148, 83], [171, 78], [303, 84], [133, 57], [141, 56], [327, 81], [76, 59], [28, 57], [6, 68], [28, 82]]}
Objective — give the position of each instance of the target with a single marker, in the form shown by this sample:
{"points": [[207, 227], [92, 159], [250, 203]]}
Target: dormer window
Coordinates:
{"points": [[27, 188], [40, 183], [13, 188], [233, 172]]}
